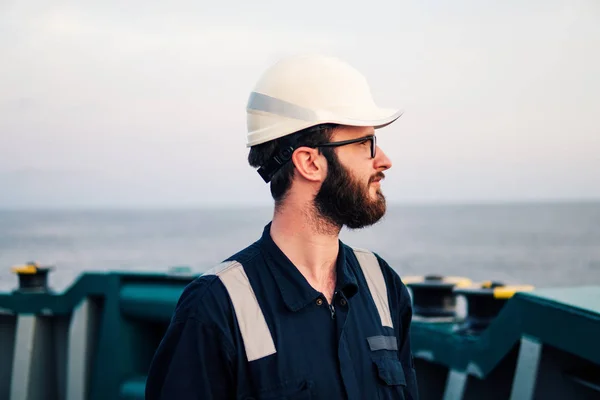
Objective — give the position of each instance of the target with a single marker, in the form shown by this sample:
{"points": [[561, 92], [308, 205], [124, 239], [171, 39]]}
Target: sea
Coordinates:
{"points": [[541, 244]]}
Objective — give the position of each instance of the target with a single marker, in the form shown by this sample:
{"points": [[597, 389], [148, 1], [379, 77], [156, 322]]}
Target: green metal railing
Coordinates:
{"points": [[543, 344], [96, 340]]}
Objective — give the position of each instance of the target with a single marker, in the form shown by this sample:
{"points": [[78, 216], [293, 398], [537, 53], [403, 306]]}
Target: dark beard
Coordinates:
{"points": [[343, 201]]}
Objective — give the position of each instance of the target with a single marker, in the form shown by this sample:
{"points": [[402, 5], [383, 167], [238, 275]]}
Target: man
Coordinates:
{"points": [[298, 314]]}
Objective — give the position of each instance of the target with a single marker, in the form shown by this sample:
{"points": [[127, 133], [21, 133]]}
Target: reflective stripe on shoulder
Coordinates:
{"points": [[253, 326], [376, 282]]}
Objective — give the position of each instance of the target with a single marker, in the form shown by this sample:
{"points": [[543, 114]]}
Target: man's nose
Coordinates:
{"points": [[382, 161]]}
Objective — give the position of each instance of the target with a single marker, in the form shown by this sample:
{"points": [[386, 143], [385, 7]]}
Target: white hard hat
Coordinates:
{"points": [[303, 91]]}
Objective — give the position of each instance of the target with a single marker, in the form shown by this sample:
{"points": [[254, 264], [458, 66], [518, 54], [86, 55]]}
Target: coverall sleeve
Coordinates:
{"points": [[195, 358], [191, 362], [402, 309], [406, 355]]}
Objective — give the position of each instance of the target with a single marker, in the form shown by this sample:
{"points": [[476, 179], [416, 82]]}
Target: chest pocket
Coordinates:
{"points": [[391, 383], [291, 390]]}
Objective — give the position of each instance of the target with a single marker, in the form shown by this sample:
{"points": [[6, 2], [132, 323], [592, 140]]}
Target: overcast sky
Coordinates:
{"points": [[142, 103]]}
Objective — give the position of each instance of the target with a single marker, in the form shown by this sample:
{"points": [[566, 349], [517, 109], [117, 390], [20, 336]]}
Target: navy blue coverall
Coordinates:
{"points": [[319, 351]]}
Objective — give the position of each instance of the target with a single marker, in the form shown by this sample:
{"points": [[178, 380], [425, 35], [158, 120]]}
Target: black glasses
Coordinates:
{"points": [[285, 154], [372, 139]]}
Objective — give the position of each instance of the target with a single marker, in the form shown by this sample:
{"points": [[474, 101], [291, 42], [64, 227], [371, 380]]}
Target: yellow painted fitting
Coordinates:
{"points": [[28, 269], [506, 292], [458, 281]]}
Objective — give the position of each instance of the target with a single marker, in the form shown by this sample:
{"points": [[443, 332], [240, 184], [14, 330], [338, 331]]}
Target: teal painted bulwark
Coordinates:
{"points": [[152, 301], [96, 340], [552, 332]]}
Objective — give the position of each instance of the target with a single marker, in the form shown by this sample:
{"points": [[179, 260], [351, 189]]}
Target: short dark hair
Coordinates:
{"points": [[282, 179]]}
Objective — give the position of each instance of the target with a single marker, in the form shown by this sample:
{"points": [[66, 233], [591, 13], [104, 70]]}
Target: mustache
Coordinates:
{"points": [[379, 175]]}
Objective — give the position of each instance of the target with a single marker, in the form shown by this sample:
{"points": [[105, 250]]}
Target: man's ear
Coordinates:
{"points": [[309, 164]]}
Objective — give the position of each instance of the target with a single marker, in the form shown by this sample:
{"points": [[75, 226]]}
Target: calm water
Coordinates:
{"points": [[541, 244]]}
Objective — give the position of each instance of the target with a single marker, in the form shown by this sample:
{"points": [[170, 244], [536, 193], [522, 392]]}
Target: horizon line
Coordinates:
{"points": [[237, 206]]}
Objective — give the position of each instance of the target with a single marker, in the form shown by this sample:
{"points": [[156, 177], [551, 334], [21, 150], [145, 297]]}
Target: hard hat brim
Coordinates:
{"points": [[275, 118]]}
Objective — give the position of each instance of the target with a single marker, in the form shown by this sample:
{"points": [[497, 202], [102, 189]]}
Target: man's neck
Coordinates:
{"points": [[311, 244]]}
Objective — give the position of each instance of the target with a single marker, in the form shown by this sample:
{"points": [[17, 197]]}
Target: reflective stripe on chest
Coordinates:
{"points": [[254, 330], [253, 326]]}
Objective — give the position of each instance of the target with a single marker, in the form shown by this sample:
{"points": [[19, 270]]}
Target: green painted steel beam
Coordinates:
{"points": [[580, 299], [51, 303], [150, 301], [553, 316]]}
